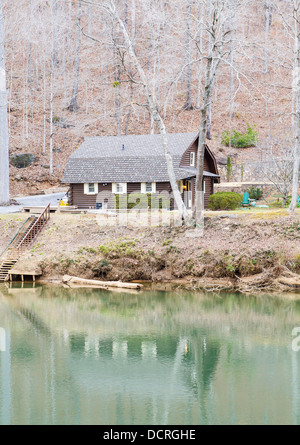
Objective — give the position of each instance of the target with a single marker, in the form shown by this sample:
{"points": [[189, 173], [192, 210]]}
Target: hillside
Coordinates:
{"points": [[255, 81]]}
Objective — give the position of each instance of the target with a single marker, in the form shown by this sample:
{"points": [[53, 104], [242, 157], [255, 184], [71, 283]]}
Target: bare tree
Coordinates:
{"points": [[4, 140], [55, 31], [117, 77], [290, 14], [278, 168], [74, 104], [188, 104], [268, 21], [217, 28], [296, 152], [152, 107]]}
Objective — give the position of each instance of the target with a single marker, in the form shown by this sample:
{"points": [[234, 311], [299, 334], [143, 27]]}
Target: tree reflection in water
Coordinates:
{"points": [[85, 356]]}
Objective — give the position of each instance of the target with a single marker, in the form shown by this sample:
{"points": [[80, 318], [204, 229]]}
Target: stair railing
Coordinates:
{"points": [[8, 247], [35, 229]]}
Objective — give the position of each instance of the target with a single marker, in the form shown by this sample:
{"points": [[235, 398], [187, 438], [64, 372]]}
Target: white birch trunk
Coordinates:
{"points": [[200, 44], [232, 70], [51, 121], [215, 51], [155, 114], [4, 139], [63, 38], [117, 77], [231, 84], [133, 18], [296, 88], [199, 198], [44, 107], [10, 97]]}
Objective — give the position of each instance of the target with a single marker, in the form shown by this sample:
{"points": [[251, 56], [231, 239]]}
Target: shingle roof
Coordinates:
{"points": [[127, 159]]}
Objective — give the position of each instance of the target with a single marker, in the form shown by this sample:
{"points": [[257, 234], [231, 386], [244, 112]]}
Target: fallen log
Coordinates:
{"points": [[290, 281], [67, 279]]}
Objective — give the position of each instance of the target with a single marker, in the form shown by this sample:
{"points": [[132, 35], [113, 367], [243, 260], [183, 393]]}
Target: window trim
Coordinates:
{"points": [[91, 185], [86, 188], [192, 159], [151, 185], [115, 188], [144, 187]]}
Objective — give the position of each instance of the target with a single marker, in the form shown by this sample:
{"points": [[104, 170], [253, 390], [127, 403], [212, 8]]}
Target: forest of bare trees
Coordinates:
{"points": [[76, 68]]}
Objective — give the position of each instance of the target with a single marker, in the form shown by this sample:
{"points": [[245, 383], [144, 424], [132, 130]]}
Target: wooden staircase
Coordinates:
{"points": [[23, 238]]}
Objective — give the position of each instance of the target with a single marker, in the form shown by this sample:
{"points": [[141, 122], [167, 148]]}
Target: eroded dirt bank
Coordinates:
{"points": [[242, 251]]}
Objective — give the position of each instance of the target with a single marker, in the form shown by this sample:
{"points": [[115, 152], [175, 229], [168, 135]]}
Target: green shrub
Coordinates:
{"points": [[297, 262], [101, 269], [288, 201], [240, 140], [255, 193], [228, 168], [225, 201], [279, 203]]}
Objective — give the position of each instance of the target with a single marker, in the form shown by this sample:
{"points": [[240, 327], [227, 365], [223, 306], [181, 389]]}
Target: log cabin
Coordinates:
{"points": [[103, 167]]}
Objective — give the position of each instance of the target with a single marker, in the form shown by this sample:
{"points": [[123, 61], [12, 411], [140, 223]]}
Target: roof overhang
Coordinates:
{"points": [[191, 172]]}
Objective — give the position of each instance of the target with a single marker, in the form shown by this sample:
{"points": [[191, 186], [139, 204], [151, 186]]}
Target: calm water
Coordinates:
{"points": [[96, 357]]}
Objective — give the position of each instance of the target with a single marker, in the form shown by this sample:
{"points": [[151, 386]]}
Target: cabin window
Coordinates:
{"points": [[91, 188], [148, 187], [204, 186], [192, 159], [119, 188]]}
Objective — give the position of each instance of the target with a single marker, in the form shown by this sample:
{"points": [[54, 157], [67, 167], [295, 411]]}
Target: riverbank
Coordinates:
{"points": [[242, 250]]}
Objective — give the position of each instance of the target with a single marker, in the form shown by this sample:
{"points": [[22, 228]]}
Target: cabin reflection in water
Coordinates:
{"points": [[194, 359], [156, 358]]}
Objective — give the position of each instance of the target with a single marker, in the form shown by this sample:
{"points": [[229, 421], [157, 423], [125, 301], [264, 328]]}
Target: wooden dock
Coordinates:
{"points": [[53, 209], [15, 273], [38, 210]]}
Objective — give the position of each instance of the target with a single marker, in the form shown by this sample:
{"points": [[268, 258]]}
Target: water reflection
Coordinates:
{"points": [[88, 356]]}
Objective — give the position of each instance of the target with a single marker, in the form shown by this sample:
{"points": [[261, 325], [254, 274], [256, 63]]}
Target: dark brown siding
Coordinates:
{"points": [[208, 191], [89, 201], [163, 186], [133, 187], [86, 201], [208, 162], [186, 156]]}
